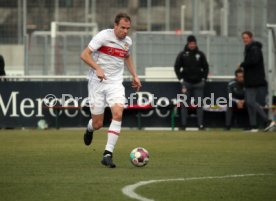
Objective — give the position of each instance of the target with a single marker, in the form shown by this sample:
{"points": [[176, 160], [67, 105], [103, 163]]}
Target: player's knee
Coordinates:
{"points": [[117, 116], [97, 125]]}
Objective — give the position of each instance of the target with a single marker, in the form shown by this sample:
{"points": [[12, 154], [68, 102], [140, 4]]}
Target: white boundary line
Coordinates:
{"points": [[129, 190]]}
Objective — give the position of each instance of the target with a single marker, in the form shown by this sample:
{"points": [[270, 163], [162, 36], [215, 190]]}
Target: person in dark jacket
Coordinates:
{"points": [[236, 89], [254, 80], [191, 68], [2, 68]]}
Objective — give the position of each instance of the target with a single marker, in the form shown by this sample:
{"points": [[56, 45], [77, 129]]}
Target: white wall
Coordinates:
{"points": [[14, 58]]}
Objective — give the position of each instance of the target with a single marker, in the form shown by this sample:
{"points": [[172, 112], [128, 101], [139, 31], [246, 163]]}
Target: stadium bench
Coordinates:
{"points": [[137, 108]]}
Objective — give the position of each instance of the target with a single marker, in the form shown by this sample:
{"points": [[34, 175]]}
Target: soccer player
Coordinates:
{"points": [[110, 50]]}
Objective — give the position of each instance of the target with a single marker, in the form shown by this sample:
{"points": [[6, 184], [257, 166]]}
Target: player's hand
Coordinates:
{"points": [[183, 89], [100, 74], [240, 104], [136, 84]]}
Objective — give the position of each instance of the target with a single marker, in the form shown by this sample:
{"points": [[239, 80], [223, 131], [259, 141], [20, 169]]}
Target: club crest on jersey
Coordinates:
{"points": [[197, 56], [126, 46]]}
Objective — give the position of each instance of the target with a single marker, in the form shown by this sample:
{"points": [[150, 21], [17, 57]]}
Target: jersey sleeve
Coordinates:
{"points": [[97, 41], [129, 46]]}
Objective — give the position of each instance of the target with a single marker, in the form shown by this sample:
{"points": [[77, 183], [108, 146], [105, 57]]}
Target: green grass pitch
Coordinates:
{"points": [[55, 165]]}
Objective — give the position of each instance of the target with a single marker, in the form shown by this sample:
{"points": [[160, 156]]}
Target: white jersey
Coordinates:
{"points": [[109, 53]]}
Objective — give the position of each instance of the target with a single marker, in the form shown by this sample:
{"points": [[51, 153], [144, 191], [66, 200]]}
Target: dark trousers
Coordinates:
{"points": [[233, 113], [253, 106], [229, 115], [196, 91]]}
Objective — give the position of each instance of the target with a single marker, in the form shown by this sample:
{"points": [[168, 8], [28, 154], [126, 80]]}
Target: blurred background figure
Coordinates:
{"points": [[191, 68], [2, 68], [236, 89], [254, 80]]}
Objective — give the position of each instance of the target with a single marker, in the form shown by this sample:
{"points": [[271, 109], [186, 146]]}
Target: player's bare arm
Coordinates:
{"points": [[136, 84], [86, 57]]}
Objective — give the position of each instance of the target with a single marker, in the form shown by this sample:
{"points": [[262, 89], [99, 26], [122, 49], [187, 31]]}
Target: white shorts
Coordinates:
{"points": [[102, 95]]}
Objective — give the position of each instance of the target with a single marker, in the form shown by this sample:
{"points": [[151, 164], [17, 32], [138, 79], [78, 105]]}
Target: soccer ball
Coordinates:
{"points": [[139, 157], [42, 124]]}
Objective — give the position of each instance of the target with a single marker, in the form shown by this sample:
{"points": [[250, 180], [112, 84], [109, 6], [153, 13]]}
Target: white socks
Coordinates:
{"points": [[89, 126], [113, 135]]}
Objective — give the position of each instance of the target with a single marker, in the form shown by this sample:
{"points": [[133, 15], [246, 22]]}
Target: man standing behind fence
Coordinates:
{"points": [[254, 80], [191, 68], [111, 50]]}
